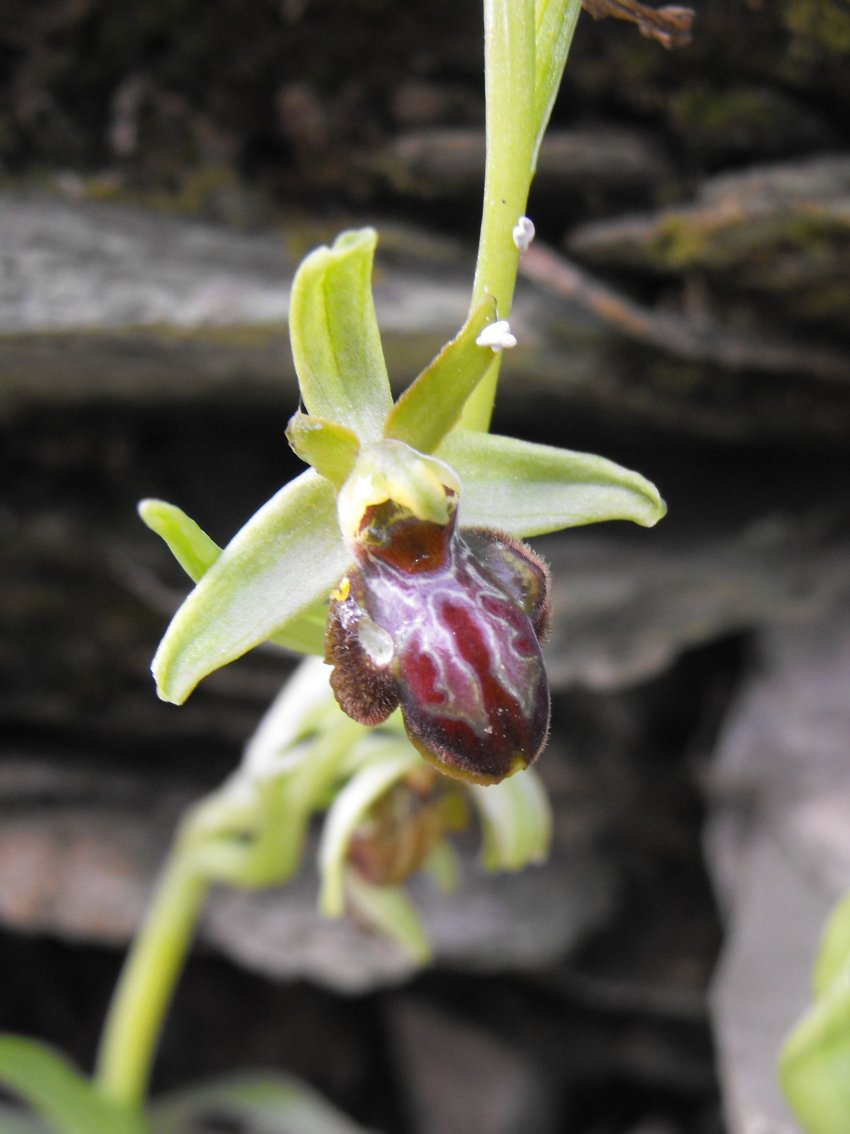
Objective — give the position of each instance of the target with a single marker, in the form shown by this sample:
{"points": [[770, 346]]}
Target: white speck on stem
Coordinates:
{"points": [[497, 336], [523, 233]]}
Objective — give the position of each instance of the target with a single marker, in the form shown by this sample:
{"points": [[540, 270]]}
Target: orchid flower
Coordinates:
{"points": [[395, 486]]}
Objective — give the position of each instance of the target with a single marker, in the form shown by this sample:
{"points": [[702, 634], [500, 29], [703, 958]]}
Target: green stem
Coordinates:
{"points": [[147, 982], [509, 48], [526, 43]]}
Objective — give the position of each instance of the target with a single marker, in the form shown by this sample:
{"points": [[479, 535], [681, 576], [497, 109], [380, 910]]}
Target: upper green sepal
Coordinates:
{"points": [[336, 344], [284, 561], [528, 490]]}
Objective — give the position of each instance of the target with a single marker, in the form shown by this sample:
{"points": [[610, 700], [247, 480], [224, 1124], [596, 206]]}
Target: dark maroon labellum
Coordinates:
{"points": [[447, 623]]}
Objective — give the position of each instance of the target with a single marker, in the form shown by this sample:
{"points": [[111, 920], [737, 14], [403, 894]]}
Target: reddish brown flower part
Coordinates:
{"points": [[446, 623]]}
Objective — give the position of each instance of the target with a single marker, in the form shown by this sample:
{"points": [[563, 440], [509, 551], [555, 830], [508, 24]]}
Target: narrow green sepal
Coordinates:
{"points": [[431, 406], [527, 489], [283, 562], [330, 448], [336, 344]]}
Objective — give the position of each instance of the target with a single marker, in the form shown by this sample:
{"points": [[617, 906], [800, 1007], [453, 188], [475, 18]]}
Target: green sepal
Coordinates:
{"points": [[431, 406], [266, 1102], [49, 1083], [329, 447], [284, 561], [527, 489], [336, 344], [196, 552]]}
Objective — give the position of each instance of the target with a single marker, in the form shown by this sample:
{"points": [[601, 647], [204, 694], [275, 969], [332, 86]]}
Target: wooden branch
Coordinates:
{"points": [[670, 25], [703, 341]]}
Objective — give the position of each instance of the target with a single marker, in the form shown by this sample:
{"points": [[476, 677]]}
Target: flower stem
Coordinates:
{"points": [[147, 982], [509, 27], [526, 43]]}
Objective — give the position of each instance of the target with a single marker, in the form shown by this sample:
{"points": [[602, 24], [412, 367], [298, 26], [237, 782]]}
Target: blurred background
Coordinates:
{"points": [[686, 311]]}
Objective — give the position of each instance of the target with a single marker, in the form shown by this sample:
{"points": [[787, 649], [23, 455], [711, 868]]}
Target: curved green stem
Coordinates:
{"points": [[147, 982]]}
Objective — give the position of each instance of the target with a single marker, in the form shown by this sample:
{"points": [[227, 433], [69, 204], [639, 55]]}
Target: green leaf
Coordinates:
{"points": [[527, 489], [259, 1103], [336, 344], [815, 1064], [815, 1061], [431, 406], [833, 961], [48, 1082], [285, 559], [330, 448]]}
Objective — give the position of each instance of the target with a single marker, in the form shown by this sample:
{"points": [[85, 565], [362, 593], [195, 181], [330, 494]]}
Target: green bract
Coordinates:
{"points": [[274, 577]]}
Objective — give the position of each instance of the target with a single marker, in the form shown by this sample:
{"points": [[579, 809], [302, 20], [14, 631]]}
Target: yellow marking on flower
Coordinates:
{"points": [[341, 592]]}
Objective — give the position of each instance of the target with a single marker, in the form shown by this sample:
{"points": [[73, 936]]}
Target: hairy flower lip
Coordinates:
{"points": [[457, 616]]}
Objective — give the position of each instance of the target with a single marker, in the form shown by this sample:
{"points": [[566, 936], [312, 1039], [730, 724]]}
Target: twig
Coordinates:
{"points": [[703, 342], [670, 25]]}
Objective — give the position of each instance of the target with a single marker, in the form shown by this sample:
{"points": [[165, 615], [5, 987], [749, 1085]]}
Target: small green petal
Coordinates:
{"points": [[189, 544], [527, 490], [336, 344], [433, 403], [330, 448], [285, 560]]}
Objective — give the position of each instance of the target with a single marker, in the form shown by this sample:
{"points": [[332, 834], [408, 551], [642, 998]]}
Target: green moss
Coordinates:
{"points": [[721, 112], [826, 22]]}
